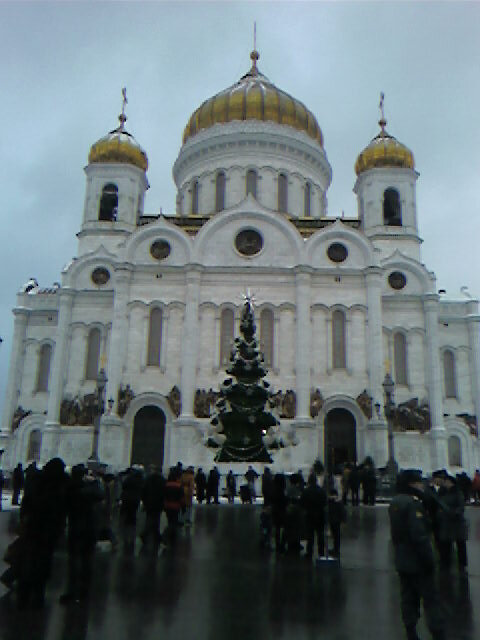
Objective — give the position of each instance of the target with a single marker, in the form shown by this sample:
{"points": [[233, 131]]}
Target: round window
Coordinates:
{"points": [[100, 276], [249, 242], [337, 252], [160, 249], [397, 280]]}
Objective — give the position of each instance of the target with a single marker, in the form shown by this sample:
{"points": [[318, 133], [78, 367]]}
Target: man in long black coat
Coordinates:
{"points": [[17, 483], [152, 500], [414, 557], [84, 495], [314, 500]]}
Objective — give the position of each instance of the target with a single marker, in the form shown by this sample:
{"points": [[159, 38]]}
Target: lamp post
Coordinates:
{"points": [[101, 382], [392, 468]]}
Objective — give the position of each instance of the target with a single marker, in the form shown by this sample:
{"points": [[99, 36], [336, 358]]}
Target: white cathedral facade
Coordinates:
{"points": [[156, 301]]}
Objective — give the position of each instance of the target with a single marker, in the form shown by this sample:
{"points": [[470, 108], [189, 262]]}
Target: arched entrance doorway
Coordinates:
{"points": [[340, 437], [148, 437]]}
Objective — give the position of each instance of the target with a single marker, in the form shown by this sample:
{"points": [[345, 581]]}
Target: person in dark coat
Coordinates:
{"points": [[212, 485], [414, 557], [337, 515], [132, 487], [42, 522], [354, 484], [1, 488], [200, 485], [152, 500], [313, 501], [294, 515], [84, 495], [369, 482], [279, 507], [267, 487], [18, 481], [452, 526], [251, 476], [231, 486]]}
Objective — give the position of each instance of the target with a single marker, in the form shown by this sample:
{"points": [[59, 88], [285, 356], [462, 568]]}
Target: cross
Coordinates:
{"points": [[254, 36], [382, 122], [125, 101], [122, 117]]}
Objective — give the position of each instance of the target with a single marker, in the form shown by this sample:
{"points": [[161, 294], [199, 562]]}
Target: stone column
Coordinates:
{"points": [[58, 374], [190, 342], [16, 366], [119, 335], [303, 340], [474, 341], [373, 276], [434, 377]]}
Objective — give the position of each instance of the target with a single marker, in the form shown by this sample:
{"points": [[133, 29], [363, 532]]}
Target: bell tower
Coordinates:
{"points": [[115, 189], [386, 193]]}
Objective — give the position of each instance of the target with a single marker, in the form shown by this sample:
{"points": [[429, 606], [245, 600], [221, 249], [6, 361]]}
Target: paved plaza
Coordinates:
{"points": [[219, 584]]}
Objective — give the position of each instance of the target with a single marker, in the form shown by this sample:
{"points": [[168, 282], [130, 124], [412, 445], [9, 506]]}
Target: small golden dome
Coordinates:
{"points": [[253, 97], [119, 146], [384, 151]]}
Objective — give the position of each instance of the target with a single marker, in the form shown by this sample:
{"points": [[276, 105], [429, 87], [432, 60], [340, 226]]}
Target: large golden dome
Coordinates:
{"points": [[253, 97], [384, 151], [119, 147]]}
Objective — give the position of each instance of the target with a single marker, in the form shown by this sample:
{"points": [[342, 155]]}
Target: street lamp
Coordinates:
{"points": [[101, 382], [388, 387]]}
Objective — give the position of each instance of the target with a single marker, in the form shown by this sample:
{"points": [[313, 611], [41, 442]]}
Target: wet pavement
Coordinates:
{"points": [[219, 584]]}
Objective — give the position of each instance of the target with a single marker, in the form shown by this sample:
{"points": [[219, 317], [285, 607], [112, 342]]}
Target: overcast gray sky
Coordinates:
{"points": [[63, 66]]}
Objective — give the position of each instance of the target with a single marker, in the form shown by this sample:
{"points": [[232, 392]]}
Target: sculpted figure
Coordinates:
{"points": [[316, 402], [175, 401], [365, 402]]}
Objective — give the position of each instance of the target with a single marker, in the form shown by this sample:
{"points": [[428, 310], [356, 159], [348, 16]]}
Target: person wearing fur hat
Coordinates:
{"points": [[414, 557]]}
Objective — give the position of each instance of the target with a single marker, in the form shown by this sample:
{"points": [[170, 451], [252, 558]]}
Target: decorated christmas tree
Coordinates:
{"points": [[241, 426]]}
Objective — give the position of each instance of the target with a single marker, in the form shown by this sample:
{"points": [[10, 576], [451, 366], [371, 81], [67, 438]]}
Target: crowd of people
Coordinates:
{"points": [[86, 506]]}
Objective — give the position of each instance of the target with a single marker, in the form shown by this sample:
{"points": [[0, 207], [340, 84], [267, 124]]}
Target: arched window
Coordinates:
{"points": [[93, 355], [282, 193], [194, 207], [251, 183], [454, 452], [34, 446], [108, 203], [392, 209], [267, 335], [307, 200], [339, 353], [400, 358], [449, 374], [43, 367], [220, 192], [226, 335], [154, 338]]}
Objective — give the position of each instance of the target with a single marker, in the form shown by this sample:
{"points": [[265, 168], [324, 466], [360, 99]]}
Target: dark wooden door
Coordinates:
{"points": [[148, 437]]}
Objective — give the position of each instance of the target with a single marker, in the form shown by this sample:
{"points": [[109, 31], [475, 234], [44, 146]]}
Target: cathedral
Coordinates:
{"points": [[123, 359]]}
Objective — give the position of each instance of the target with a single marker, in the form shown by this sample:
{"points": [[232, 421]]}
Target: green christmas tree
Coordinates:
{"points": [[241, 422]]}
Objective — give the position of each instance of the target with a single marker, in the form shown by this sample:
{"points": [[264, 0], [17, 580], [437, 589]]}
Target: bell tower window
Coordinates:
{"points": [[108, 203], [392, 209], [220, 192], [251, 183], [194, 207], [307, 200], [282, 193]]}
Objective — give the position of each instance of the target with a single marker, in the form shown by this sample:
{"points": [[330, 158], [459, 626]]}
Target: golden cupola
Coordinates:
{"points": [[253, 97], [119, 146], [384, 151]]}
